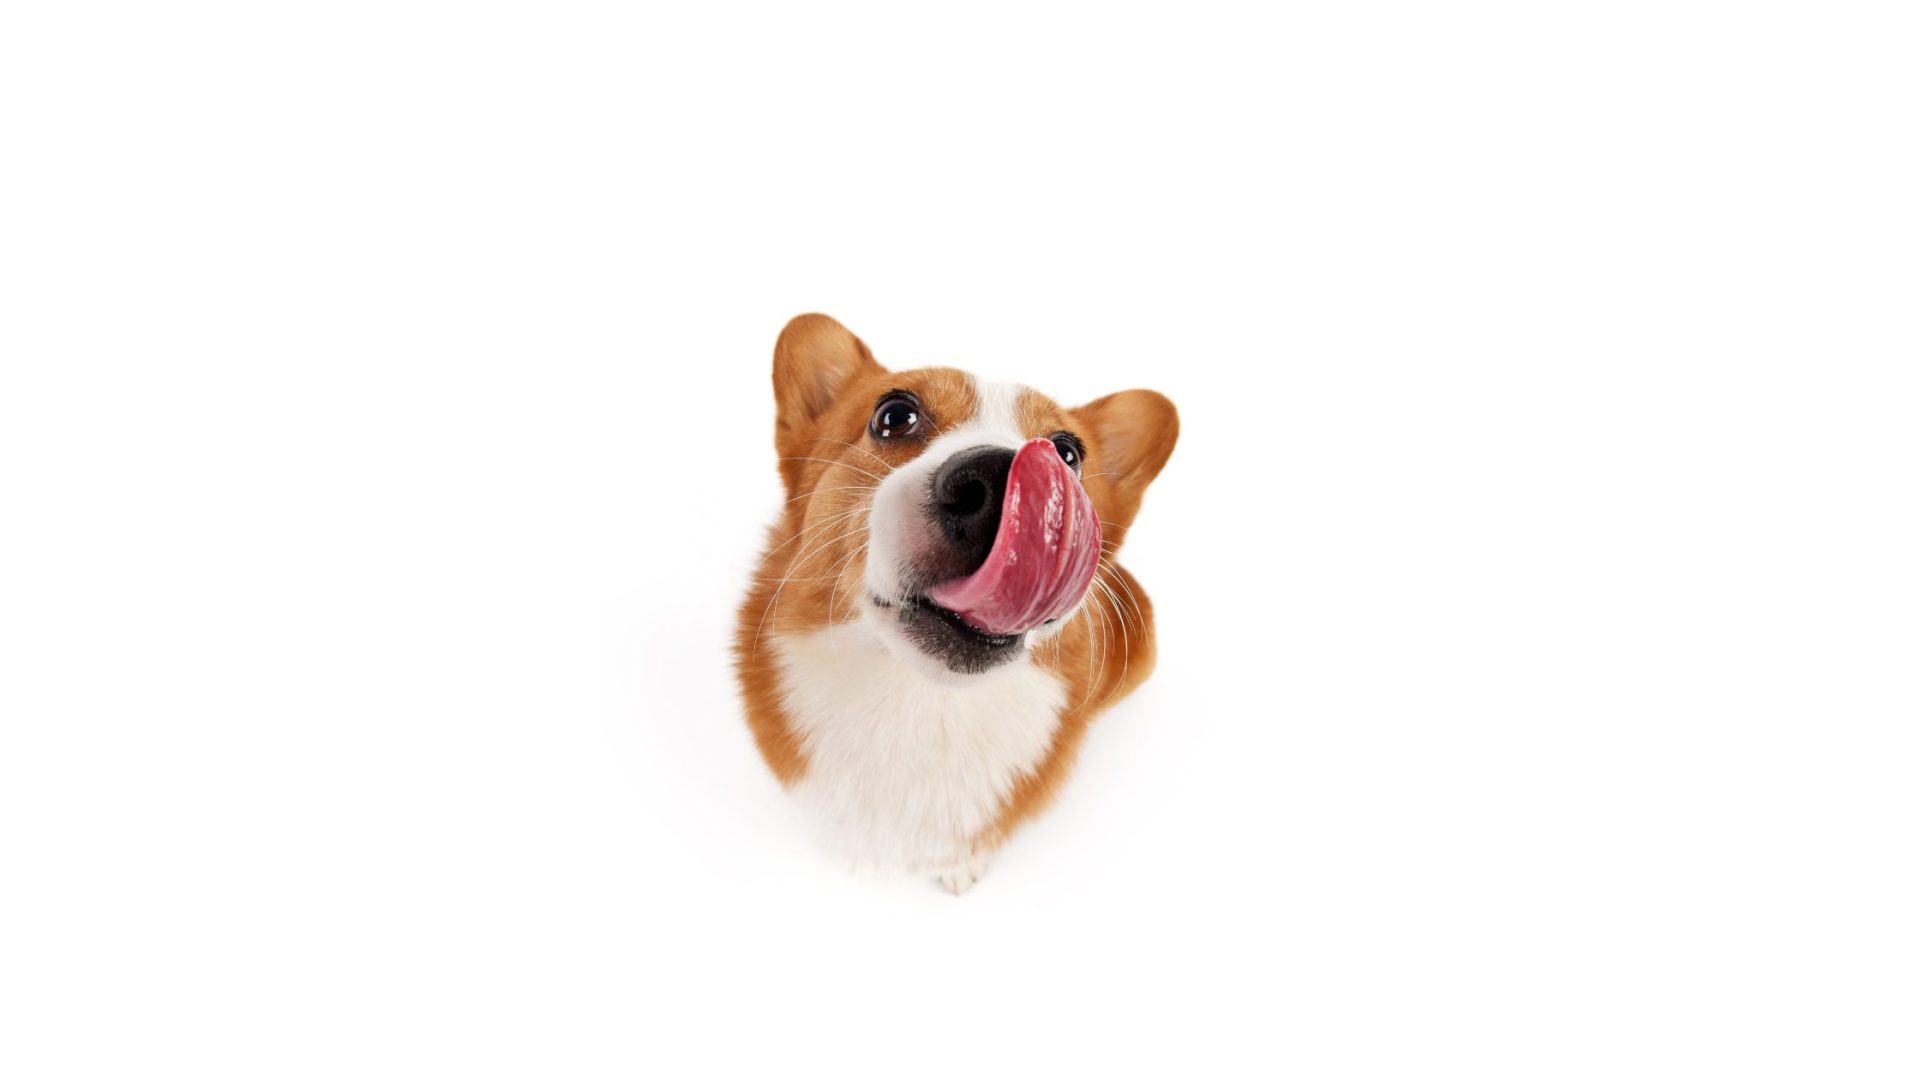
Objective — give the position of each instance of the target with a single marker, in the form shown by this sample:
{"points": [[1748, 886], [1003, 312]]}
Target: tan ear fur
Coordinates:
{"points": [[813, 359], [1130, 436]]}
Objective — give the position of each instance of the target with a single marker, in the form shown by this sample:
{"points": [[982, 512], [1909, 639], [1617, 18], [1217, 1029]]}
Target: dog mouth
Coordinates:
{"points": [[945, 636], [1045, 550]]}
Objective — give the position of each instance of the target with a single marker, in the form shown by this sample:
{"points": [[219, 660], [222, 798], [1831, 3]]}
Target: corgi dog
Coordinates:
{"points": [[938, 613]]}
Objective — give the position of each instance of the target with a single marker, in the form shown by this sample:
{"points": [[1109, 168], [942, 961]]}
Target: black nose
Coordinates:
{"points": [[967, 492]]}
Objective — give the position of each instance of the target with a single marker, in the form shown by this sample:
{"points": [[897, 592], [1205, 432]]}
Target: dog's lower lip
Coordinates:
{"points": [[947, 616], [950, 616]]}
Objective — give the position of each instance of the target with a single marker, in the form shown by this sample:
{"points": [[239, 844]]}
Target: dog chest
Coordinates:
{"points": [[902, 767]]}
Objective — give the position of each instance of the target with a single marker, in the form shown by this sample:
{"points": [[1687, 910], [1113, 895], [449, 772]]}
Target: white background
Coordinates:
{"points": [[385, 435]]}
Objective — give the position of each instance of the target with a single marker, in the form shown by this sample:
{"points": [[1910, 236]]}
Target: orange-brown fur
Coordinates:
{"points": [[825, 384]]}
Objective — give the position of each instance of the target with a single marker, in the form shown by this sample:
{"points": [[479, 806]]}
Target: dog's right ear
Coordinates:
{"points": [[812, 361]]}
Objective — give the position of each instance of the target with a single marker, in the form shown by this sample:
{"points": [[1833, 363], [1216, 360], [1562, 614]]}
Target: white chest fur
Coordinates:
{"points": [[902, 769]]}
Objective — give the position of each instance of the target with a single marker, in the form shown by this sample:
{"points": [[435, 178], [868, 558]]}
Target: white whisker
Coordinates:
{"points": [[884, 463], [801, 560], [830, 461]]}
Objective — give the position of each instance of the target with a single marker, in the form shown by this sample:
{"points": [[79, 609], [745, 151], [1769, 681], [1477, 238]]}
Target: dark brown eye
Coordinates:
{"points": [[897, 416], [1068, 444]]}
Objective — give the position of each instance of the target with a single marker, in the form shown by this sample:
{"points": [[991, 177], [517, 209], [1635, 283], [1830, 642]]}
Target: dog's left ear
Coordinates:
{"points": [[813, 359], [1130, 436]]}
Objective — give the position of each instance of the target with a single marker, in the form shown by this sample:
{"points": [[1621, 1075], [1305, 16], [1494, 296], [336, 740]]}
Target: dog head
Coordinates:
{"points": [[958, 519]]}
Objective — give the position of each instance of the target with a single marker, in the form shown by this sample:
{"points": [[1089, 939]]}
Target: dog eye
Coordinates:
{"points": [[1069, 448], [896, 416]]}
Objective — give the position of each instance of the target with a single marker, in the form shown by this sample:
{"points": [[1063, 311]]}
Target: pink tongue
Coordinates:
{"points": [[1043, 556]]}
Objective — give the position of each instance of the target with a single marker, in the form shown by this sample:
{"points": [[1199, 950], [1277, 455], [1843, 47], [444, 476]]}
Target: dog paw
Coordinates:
{"points": [[959, 878]]}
